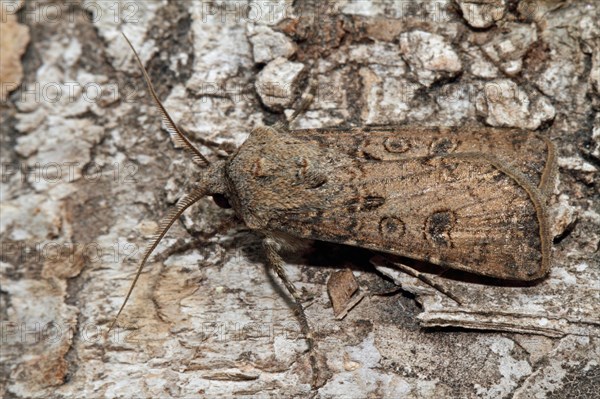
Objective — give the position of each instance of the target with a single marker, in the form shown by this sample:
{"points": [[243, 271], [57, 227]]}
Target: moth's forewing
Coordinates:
{"points": [[465, 211], [530, 153]]}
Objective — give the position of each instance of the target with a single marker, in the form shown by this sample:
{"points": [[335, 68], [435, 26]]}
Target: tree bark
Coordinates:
{"points": [[87, 173]]}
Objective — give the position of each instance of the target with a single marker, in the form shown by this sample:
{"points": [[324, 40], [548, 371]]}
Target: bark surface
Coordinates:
{"points": [[87, 172]]}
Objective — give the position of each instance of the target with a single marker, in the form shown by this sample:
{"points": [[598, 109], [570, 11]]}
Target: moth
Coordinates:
{"points": [[472, 199]]}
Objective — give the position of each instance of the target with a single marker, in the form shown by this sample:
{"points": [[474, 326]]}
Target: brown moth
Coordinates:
{"points": [[471, 199], [465, 210]]}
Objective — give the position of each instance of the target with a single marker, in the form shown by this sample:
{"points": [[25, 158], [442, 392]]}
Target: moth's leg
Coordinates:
{"points": [[275, 262], [305, 101], [308, 96], [222, 150], [421, 276]]}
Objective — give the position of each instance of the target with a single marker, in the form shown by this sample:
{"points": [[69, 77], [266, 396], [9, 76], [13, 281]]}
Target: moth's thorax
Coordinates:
{"points": [[273, 171]]}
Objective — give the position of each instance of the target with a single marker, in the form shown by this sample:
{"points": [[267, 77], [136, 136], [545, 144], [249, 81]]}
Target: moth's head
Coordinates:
{"points": [[213, 179]]}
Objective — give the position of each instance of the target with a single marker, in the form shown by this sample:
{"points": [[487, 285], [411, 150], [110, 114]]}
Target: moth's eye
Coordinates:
{"points": [[221, 201]]}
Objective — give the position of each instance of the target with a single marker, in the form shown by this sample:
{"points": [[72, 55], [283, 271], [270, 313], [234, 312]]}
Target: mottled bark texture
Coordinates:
{"points": [[87, 172]]}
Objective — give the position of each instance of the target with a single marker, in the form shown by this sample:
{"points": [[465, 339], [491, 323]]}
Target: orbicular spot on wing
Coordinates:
{"points": [[442, 146], [391, 227], [438, 227], [396, 145]]}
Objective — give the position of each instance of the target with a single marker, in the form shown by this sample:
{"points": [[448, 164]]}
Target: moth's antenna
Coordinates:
{"points": [[177, 135], [163, 227]]}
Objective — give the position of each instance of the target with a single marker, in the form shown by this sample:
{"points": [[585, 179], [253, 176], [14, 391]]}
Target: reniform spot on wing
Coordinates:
{"points": [[438, 227]]}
